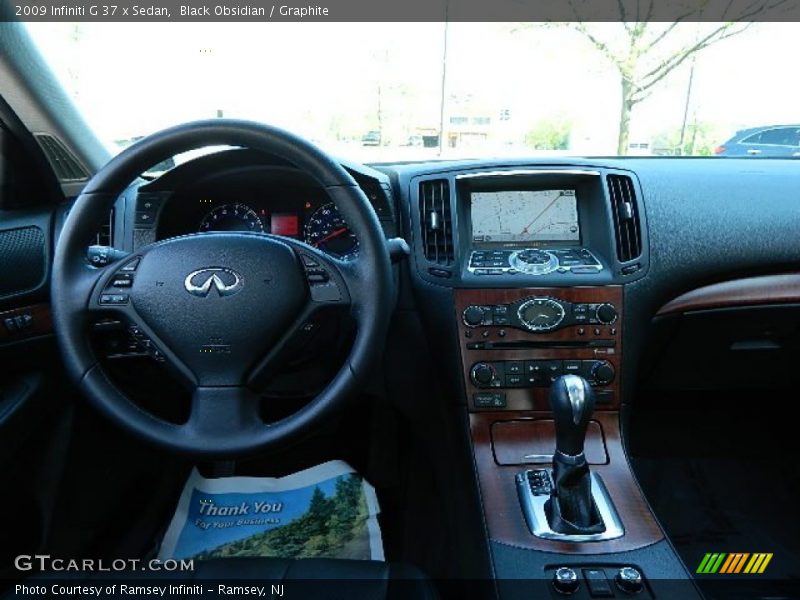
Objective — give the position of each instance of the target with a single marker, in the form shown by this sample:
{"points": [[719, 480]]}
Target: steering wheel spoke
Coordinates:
{"points": [[222, 413], [329, 282], [110, 296]]}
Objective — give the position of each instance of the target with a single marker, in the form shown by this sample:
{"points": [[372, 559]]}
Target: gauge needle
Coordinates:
{"points": [[331, 235]]}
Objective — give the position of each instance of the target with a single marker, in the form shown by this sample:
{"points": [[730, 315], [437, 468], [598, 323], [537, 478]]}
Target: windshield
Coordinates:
{"points": [[376, 92]]}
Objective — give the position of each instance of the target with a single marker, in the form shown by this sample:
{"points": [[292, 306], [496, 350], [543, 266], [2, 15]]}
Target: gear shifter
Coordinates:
{"points": [[572, 403], [571, 508]]}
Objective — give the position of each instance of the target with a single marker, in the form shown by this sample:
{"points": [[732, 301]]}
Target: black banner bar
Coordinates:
{"points": [[149, 11]]}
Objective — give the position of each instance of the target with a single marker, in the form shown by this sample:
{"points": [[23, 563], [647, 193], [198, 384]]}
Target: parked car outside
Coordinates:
{"points": [[771, 140]]}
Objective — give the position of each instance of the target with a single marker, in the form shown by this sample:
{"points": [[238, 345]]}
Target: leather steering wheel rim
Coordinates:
{"points": [[224, 426]]}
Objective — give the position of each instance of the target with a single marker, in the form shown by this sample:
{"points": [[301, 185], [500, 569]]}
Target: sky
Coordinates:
{"points": [[326, 80]]}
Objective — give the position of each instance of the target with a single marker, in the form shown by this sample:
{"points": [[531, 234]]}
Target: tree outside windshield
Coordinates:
{"points": [[390, 91]]}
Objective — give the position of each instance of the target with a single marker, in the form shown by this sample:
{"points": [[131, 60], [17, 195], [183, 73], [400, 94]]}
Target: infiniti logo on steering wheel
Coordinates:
{"points": [[226, 281]]}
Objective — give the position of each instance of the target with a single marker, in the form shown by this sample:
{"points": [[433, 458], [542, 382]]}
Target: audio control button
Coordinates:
{"points": [[486, 375], [515, 380], [514, 367]]}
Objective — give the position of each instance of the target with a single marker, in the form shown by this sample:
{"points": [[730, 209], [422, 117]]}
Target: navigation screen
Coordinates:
{"points": [[525, 216]]}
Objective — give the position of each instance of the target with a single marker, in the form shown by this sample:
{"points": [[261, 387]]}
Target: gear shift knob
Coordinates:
{"points": [[572, 403]]}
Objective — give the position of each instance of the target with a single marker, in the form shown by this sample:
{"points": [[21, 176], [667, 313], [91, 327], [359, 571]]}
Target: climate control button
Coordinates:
{"points": [[473, 316], [602, 372], [606, 314]]}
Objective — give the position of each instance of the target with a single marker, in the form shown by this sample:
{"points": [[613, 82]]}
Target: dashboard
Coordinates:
{"points": [[529, 269]]}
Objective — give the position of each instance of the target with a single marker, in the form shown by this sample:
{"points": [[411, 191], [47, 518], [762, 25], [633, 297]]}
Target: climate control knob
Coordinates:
{"points": [[606, 314], [603, 373], [482, 374], [473, 316]]}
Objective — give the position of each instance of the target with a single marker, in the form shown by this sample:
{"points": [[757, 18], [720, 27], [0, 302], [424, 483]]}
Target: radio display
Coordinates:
{"points": [[525, 216]]}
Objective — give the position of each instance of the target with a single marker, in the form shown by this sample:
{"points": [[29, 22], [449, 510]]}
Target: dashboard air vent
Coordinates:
{"points": [[626, 217], [65, 165], [436, 221]]}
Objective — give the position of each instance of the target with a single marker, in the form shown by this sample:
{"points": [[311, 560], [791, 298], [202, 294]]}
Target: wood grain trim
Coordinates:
{"points": [[42, 322], [766, 289], [537, 398], [504, 517], [526, 442]]}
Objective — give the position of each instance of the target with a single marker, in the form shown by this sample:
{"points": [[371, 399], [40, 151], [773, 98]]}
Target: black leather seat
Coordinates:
{"points": [[313, 578]]}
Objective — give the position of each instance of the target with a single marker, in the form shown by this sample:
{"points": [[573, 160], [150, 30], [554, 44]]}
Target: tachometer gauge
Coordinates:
{"points": [[326, 230], [232, 217]]}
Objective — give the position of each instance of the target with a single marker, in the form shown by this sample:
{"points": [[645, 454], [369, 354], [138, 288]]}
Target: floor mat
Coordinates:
{"points": [[327, 511], [722, 505]]}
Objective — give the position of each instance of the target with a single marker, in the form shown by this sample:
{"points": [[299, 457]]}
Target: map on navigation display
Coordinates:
{"points": [[525, 216]]}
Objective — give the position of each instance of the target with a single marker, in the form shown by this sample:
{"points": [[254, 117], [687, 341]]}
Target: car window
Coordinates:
{"points": [[780, 136], [753, 139]]}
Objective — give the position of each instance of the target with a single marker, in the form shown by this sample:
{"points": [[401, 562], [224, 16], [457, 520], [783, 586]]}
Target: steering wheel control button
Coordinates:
{"points": [[145, 218], [122, 281], [318, 276], [629, 580], [113, 299], [131, 266], [309, 262], [598, 584], [565, 580]]}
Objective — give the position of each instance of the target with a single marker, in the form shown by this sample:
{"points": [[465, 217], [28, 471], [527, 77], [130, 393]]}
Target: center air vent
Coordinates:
{"points": [[435, 216], [626, 217]]}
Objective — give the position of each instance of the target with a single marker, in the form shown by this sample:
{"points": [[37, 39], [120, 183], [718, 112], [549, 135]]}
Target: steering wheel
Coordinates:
{"points": [[218, 308]]}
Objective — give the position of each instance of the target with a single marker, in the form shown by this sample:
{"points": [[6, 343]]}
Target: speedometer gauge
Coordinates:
{"points": [[232, 217], [326, 230]]}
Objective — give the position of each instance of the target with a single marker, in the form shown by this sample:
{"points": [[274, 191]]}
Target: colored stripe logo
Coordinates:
{"points": [[734, 563]]}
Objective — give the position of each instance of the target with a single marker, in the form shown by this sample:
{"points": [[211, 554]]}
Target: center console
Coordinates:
{"points": [[538, 260], [516, 341]]}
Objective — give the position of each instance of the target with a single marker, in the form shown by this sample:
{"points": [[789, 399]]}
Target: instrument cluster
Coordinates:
{"points": [[300, 212]]}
